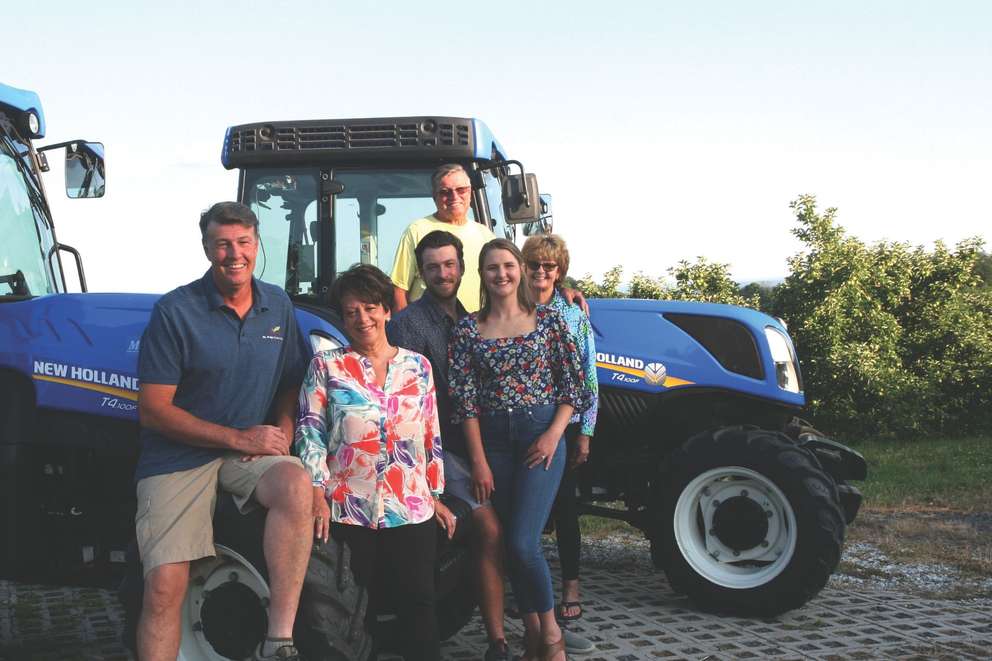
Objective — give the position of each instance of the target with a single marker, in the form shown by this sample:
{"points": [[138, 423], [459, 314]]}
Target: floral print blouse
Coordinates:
{"points": [[375, 450], [538, 368], [581, 330]]}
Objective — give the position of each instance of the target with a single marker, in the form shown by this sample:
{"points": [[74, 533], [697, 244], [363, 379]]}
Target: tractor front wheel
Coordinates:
{"points": [[751, 523]]}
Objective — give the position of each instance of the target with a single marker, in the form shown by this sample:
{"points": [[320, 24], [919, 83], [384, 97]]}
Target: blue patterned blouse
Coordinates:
{"points": [[538, 368], [581, 331]]}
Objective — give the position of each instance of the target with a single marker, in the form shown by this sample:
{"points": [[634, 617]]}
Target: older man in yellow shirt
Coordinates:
{"points": [[452, 192]]}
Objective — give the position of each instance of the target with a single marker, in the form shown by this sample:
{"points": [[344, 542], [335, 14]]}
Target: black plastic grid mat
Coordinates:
{"points": [[630, 614]]}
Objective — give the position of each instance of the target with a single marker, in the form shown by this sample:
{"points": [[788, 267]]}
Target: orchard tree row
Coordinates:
{"points": [[894, 340]]}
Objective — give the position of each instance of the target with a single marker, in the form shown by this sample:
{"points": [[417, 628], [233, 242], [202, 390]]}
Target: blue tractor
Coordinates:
{"points": [[744, 504], [68, 399], [699, 434]]}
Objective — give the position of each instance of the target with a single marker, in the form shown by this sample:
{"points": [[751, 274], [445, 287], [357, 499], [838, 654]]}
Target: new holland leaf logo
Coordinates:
{"points": [[655, 373], [275, 329]]}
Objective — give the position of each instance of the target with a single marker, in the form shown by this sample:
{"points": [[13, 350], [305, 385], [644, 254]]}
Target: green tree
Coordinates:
{"points": [[893, 340], [983, 267], [701, 280], [764, 294], [608, 288], [707, 281], [644, 286]]}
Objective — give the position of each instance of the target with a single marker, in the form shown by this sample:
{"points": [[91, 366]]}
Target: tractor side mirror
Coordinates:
{"points": [[84, 170], [545, 224], [521, 199]]}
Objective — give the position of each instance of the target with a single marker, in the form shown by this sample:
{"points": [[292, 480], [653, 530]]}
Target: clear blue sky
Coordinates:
{"points": [[663, 130]]}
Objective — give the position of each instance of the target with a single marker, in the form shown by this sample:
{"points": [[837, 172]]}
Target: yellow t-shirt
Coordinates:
{"points": [[473, 236]]}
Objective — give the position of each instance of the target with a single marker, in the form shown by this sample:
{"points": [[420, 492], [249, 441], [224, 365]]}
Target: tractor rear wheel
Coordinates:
{"points": [[752, 525], [225, 612]]}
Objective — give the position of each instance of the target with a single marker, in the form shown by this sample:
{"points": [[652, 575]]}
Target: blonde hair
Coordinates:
{"points": [[523, 292], [550, 247]]}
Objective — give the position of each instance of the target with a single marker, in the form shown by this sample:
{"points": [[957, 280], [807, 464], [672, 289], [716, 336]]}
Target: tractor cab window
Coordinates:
{"points": [[371, 212], [285, 202], [374, 209], [494, 197], [23, 226]]}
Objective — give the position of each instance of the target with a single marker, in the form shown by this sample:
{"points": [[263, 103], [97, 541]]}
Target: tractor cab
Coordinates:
{"points": [[30, 253], [329, 194]]}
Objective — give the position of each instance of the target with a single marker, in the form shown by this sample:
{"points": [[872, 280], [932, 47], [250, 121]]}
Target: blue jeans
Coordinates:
{"points": [[523, 497]]}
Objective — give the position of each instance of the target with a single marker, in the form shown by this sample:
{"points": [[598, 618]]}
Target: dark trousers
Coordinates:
{"points": [[566, 515], [400, 562]]}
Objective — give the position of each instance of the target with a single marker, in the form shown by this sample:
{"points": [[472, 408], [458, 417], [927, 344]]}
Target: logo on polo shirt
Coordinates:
{"points": [[273, 334]]}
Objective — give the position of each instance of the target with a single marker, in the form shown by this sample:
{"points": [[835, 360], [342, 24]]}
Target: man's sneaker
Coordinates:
{"points": [[284, 653], [498, 651], [576, 644]]}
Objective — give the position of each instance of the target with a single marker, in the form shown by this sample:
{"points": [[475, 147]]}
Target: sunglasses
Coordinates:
{"points": [[451, 192], [547, 267]]}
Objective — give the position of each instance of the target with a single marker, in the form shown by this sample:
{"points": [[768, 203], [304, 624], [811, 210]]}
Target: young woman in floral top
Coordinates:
{"points": [[368, 434], [546, 260], [515, 382]]}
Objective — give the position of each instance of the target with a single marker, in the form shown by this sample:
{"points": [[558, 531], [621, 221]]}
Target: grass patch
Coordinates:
{"points": [[927, 501], [928, 474], [598, 527]]}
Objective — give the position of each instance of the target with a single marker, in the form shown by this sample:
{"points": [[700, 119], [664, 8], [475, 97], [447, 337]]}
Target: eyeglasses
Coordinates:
{"points": [[451, 192], [547, 267]]}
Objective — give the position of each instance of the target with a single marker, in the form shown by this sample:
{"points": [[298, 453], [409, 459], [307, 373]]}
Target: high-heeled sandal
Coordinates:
{"points": [[532, 647], [550, 650]]}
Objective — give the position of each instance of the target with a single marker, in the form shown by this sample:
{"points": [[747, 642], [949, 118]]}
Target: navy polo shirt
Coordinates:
{"points": [[226, 370]]}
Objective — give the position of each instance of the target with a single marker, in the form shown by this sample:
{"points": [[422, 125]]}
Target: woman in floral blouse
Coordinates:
{"points": [[546, 260], [515, 382], [368, 434]]}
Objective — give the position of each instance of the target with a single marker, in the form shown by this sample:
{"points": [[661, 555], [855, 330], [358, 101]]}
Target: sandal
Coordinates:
{"points": [[549, 651], [560, 611], [532, 647]]}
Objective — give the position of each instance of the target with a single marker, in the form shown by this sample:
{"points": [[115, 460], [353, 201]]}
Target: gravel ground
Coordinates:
{"points": [[871, 612], [864, 566], [884, 574]]}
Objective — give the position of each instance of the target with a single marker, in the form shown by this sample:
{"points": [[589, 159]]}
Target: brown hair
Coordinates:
{"points": [[523, 293], [439, 239], [550, 247], [228, 213], [366, 283]]}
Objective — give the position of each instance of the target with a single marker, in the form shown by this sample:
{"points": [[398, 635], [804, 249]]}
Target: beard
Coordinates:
{"points": [[444, 289]]}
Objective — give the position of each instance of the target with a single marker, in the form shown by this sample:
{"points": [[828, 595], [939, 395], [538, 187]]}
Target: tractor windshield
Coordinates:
{"points": [[24, 224], [370, 215]]}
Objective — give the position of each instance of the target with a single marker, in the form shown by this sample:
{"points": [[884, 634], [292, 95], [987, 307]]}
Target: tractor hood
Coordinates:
{"points": [[658, 346], [80, 350]]}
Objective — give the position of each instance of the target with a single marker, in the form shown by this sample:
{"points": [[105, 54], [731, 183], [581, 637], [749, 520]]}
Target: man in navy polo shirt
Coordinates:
{"points": [[220, 365]]}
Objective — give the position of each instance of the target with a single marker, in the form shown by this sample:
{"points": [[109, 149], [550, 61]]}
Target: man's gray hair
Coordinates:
{"points": [[444, 171]]}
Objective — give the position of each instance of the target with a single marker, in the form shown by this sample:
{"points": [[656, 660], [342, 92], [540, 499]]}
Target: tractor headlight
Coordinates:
{"points": [[320, 341], [34, 124], [786, 369]]}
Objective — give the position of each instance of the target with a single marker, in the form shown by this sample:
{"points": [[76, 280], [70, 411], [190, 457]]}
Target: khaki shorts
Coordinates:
{"points": [[174, 522]]}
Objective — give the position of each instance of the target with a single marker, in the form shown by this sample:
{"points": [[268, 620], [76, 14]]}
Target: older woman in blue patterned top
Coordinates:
{"points": [[546, 260], [515, 381]]}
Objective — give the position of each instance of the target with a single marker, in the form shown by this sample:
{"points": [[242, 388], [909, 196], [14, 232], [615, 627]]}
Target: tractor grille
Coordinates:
{"points": [[350, 135], [625, 408]]}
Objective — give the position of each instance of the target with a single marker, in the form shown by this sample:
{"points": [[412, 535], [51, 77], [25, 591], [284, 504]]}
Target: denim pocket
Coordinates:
{"points": [[542, 416]]}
